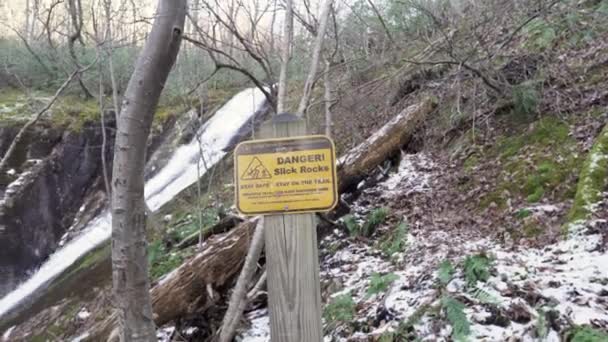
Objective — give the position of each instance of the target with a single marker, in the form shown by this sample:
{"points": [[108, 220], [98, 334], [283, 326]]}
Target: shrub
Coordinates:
{"points": [[526, 98]]}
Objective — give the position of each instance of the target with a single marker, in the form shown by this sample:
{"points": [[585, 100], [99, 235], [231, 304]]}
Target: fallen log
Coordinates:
{"points": [[190, 288], [355, 165]]}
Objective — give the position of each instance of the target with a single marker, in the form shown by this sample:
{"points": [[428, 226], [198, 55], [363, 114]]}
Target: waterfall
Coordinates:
{"points": [[179, 173]]}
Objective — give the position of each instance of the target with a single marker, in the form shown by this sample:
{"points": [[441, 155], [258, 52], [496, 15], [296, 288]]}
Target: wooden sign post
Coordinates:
{"points": [[292, 259]]}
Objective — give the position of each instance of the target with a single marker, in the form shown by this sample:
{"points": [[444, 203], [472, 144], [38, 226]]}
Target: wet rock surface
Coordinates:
{"points": [[59, 170]]}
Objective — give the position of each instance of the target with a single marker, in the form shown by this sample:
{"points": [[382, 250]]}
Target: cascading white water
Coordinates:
{"points": [[180, 172]]}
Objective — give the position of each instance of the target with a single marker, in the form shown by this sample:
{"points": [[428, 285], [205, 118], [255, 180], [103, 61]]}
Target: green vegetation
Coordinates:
{"points": [[541, 162], [352, 225], [541, 326], [523, 213], [163, 260], [446, 272], [540, 33], [396, 241], [526, 98], [380, 283], [454, 312], [372, 221], [375, 218], [341, 309], [593, 179], [586, 334], [477, 268]]}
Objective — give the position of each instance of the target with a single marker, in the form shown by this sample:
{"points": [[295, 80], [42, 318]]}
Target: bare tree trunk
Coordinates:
{"points": [[75, 9], [285, 57], [316, 55], [104, 138], [238, 299], [110, 51], [382, 22], [328, 99], [130, 279]]}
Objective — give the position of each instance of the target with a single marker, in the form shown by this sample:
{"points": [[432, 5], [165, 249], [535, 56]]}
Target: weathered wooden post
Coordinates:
{"points": [[289, 179]]}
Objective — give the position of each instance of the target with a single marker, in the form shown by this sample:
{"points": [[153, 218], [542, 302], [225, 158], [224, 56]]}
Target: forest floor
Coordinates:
{"points": [[432, 255]]}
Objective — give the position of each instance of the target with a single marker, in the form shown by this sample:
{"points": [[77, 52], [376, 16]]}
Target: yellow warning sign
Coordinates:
{"points": [[285, 175]]}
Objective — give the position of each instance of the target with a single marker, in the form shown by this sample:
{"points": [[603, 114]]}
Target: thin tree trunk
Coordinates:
{"points": [[104, 138], [328, 99], [316, 55], [130, 279], [285, 57], [75, 9], [238, 299], [110, 51], [382, 22]]}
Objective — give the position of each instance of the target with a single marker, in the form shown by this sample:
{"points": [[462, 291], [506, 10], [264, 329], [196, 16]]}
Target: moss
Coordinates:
{"points": [[531, 230], [544, 132], [87, 261], [73, 112], [593, 179], [537, 163], [495, 197], [471, 162]]}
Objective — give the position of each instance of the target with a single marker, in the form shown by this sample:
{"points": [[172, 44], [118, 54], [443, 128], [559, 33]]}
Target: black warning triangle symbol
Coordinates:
{"points": [[256, 170]]}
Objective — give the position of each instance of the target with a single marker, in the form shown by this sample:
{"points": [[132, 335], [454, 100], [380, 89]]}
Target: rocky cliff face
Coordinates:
{"points": [[43, 190]]}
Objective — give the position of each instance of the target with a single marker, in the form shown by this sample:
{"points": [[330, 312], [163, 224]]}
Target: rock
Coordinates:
{"points": [[38, 210]]}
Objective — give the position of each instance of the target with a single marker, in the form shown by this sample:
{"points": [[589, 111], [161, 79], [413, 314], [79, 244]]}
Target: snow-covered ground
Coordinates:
{"points": [[569, 279]]}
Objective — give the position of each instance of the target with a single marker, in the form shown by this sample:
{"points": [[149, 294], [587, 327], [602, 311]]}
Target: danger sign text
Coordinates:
{"points": [[285, 175]]}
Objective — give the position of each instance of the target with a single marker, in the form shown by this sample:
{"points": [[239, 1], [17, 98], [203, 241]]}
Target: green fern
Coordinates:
{"points": [[341, 309], [380, 283], [541, 325], [454, 312], [353, 227], [541, 34], [397, 241], [483, 296], [374, 219], [586, 334], [446, 272], [477, 268], [526, 98]]}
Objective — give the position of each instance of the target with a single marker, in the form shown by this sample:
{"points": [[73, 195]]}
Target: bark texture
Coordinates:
{"points": [[360, 161], [129, 255]]}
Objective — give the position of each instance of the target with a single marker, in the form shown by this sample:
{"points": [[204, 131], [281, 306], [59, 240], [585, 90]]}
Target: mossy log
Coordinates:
{"points": [[192, 288], [592, 183], [360, 161]]}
